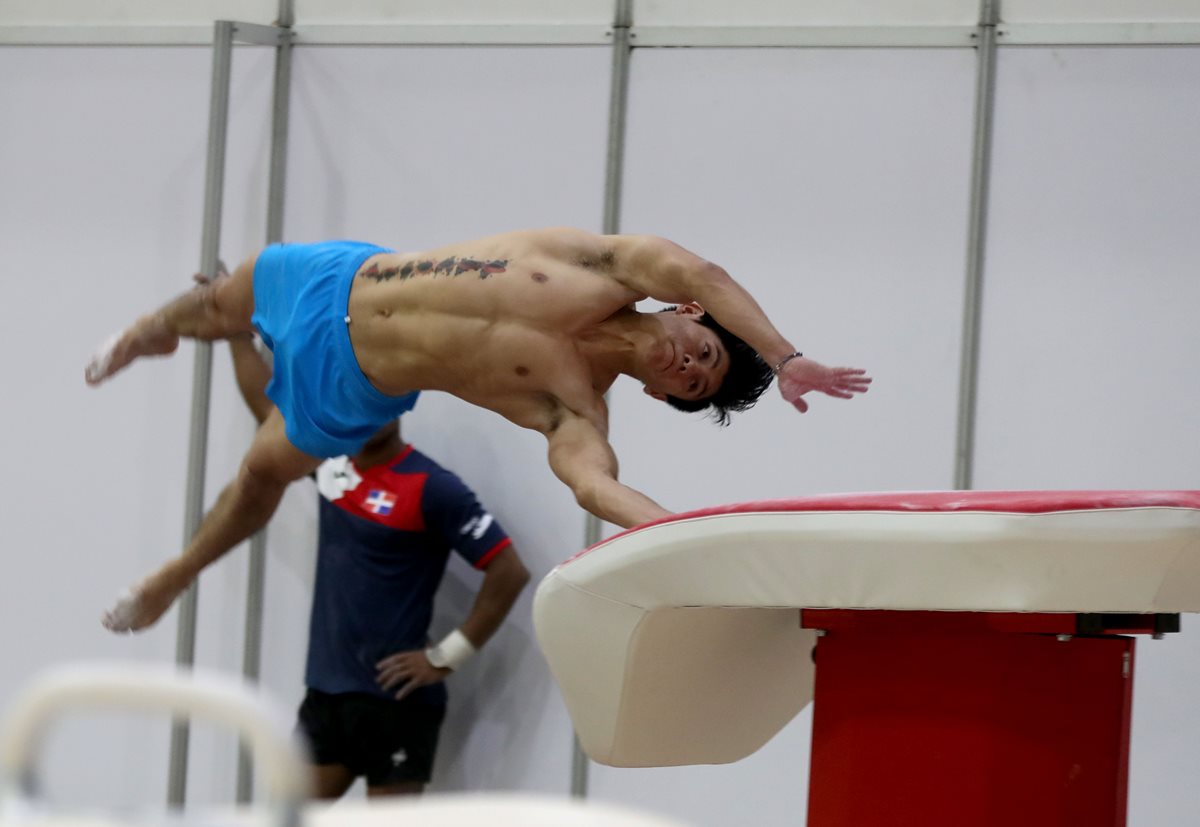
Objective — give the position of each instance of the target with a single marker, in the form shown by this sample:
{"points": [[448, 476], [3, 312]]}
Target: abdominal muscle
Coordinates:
{"points": [[486, 340]]}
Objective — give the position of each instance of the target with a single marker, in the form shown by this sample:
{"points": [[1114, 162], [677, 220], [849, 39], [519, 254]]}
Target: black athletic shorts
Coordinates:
{"points": [[386, 741]]}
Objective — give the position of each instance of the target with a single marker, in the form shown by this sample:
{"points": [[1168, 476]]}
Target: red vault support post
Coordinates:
{"points": [[960, 719]]}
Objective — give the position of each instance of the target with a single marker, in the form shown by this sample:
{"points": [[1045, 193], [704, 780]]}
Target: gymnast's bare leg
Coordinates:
{"points": [[215, 310], [243, 508]]}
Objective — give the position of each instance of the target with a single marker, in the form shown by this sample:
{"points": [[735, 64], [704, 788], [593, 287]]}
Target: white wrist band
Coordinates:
{"points": [[453, 651]]}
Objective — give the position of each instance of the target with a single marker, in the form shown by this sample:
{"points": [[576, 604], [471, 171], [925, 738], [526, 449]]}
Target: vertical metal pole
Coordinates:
{"points": [[617, 106], [968, 382], [279, 123], [256, 580], [185, 645], [614, 167]]}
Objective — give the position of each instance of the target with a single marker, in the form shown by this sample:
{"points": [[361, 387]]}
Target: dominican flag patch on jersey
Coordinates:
{"points": [[379, 493], [380, 502]]}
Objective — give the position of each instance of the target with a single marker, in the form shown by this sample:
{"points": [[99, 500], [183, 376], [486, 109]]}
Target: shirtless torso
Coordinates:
{"points": [[511, 312]]}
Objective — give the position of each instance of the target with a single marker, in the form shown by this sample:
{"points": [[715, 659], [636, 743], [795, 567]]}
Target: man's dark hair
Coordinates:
{"points": [[745, 380]]}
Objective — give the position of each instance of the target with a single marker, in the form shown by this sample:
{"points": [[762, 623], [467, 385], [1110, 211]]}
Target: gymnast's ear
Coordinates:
{"points": [[660, 396], [689, 309]]}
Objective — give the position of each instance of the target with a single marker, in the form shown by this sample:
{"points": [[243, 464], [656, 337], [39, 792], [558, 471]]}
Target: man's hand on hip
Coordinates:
{"points": [[407, 670]]}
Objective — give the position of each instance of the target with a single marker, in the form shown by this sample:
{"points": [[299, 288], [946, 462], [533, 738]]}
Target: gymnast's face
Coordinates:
{"points": [[690, 362]]}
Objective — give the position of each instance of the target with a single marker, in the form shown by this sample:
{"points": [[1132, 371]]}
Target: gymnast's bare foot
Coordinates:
{"points": [[144, 604], [148, 336]]}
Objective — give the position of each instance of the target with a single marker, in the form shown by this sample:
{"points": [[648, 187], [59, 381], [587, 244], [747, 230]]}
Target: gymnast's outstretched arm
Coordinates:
{"points": [[663, 270], [244, 507], [581, 457]]}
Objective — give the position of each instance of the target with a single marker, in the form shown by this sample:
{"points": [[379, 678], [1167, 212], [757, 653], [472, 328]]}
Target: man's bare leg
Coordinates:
{"points": [[396, 788], [243, 508], [214, 310], [330, 781]]}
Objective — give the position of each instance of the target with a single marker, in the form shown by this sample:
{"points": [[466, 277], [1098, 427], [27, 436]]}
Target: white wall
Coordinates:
{"points": [[101, 163], [843, 214], [1089, 343], [832, 182], [134, 13], [590, 22]]}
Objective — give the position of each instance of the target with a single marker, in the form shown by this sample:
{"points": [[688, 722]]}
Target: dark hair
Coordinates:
{"points": [[745, 380]]}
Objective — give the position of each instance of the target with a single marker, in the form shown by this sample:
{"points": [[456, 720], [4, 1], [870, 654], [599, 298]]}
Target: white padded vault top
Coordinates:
{"points": [[678, 642]]}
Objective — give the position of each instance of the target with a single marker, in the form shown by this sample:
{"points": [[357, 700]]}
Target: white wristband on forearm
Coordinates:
{"points": [[452, 652]]}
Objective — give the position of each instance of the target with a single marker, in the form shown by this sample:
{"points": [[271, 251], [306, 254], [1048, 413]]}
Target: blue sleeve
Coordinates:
{"points": [[453, 513]]}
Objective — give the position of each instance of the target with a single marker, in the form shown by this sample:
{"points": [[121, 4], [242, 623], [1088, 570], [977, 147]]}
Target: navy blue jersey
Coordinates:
{"points": [[385, 536]]}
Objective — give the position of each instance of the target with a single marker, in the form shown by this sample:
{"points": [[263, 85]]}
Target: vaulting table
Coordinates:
{"points": [[968, 652]]}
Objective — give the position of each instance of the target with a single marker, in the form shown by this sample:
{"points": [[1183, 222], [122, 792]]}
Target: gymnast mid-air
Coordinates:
{"points": [[535, 325]]}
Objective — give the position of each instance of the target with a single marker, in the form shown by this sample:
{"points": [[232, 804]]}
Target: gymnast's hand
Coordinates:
{"points": [[408, 670], [798, 376]]}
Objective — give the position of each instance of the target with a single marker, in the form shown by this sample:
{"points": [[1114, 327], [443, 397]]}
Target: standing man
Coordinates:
{"points": [[388, 518]]}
